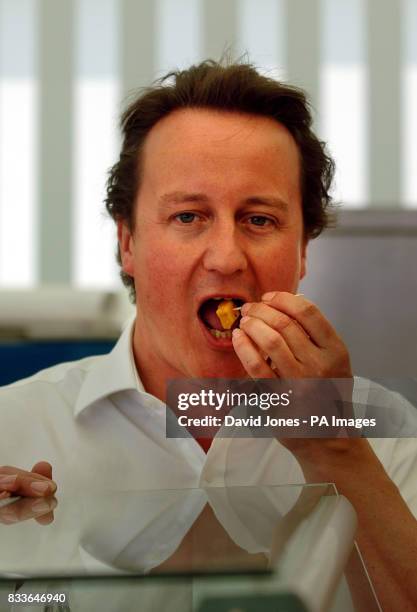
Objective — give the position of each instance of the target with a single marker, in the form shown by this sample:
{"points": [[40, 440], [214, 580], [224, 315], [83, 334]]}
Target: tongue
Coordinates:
{"points": [[208, 314]]}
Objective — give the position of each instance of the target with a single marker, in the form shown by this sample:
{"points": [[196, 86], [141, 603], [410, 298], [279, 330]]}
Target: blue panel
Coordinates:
{"points": [[22, 359]]}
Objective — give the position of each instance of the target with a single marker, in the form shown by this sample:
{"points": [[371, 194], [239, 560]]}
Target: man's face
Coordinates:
{"points": [[218, 214]]}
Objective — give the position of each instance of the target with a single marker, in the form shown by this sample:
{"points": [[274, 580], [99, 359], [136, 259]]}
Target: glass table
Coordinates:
{"points": [[253, 549]]}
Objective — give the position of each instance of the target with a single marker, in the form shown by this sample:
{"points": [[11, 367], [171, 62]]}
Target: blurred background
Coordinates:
{"points": [[67, 68]]}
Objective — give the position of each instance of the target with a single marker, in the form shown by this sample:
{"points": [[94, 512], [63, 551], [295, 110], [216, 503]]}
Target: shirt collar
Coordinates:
{"points": [[111, 373]]}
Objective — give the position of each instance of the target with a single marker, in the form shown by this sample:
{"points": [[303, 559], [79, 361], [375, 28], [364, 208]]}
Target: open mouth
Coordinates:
{"points": [[219, 316]]}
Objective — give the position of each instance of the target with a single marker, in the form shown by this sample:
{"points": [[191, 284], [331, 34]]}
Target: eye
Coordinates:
{"points": [[186, 217], [261, 221]]}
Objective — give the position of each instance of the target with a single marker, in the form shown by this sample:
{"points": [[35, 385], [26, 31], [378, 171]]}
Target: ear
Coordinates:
{"points": [[303, 266], [126, 248]]}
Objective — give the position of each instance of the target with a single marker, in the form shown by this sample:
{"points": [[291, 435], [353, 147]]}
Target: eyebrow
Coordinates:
{"points": [[272, 201], [180, 197]]}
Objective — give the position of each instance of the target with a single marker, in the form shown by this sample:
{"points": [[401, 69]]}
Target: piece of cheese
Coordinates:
{"points": [[226, 314]]}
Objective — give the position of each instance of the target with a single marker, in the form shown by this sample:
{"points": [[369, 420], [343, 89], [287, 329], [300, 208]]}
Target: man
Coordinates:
{"points": [[219, 187]]}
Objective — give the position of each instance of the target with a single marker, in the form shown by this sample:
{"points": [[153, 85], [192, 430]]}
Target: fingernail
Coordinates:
{"points": [[8, 481], [236, 333], [8, 516], [41, 487], [41, 506], [244, 319], [245, 308], [269, 296]]}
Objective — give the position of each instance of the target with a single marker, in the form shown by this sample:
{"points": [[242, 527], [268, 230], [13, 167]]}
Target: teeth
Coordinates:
{"points": [[221, 297], [221, 334]]}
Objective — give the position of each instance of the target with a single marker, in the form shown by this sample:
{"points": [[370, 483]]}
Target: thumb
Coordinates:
{"points": [[43, 468]]}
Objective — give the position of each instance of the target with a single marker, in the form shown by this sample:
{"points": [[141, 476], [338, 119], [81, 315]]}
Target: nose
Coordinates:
{"points": [[225, 252]]}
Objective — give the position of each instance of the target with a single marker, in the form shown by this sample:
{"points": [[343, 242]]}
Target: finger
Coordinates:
{"points": [[8, 469], [297, 340], [46, 519], [25, 509], [43, 468], [252, 358], [271, 342], [7, 516], [13, 512], [306, 314], [253, 362], [43, 510], [26, 484]]}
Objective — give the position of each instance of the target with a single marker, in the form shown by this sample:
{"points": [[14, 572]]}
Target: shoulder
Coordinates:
{"points": [[397, 446], [37, 414], [62, 381], [395, 415]]}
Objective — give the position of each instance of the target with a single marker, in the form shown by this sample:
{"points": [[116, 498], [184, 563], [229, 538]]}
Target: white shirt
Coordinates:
{"points": [[101, 431], [95, 423]]}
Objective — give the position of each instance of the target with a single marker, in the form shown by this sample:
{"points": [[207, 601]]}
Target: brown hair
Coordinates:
{"points": [[230, 87]]}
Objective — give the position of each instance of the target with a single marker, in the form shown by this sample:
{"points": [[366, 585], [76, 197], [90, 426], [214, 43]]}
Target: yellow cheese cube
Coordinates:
{"points": [[226, 314]]}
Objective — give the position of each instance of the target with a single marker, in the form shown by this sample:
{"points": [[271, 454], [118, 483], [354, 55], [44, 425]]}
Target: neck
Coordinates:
{"points": [[154, 372]]}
